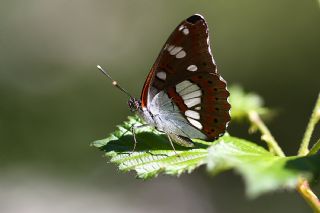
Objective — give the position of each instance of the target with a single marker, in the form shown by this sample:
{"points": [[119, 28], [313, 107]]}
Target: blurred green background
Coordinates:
{"points": [[54, 102]]}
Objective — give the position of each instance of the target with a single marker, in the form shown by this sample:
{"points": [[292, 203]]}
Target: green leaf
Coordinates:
{"points": [[242, 103], [153, 153], [261, 170]]}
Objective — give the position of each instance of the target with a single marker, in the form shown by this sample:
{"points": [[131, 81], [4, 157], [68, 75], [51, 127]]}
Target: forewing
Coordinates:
{"points": [[187, 45], [186, 72]]}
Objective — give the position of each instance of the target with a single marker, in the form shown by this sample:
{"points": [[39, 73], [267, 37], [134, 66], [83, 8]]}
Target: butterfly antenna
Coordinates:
{"points": [[114, 83]]}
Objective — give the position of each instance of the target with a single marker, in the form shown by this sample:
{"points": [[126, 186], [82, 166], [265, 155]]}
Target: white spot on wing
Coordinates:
{"points": [[181, 27], [170, 47], [194, 94], [192, 102], [182, 85], [185, 31], [192, 68], [181, 54], [175, 50], [195, 123], [192, 114], [198, 108], [191, 88], [162, 75]]}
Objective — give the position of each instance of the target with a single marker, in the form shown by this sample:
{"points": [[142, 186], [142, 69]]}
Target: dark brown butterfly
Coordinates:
{"points": [[183, 95]]}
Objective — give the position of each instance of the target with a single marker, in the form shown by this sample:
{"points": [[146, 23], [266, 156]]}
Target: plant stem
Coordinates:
{"points": [[315, 117], [305, 191], [315, 148], [266, 134], [303, 186]]}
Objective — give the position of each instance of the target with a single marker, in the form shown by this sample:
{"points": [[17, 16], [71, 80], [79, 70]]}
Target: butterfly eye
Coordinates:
{"points": [[134, 104], [131, 105]]}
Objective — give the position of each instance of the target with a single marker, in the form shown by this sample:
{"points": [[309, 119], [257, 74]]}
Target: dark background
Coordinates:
{"points": [[54, 102]]}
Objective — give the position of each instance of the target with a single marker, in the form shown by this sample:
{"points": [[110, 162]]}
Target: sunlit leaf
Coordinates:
{"points": [[261, 170], [153, 153]]}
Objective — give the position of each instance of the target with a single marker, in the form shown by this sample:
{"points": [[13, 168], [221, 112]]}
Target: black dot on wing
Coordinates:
{"points": [[204, 63], [210, 82], [194, 18], [215, 120], [215, 89], [200, 77], [212, 130], [217, 108]]}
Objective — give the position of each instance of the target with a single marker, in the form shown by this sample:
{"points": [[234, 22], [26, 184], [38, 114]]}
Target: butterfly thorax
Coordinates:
{"points": [[144, 113]]}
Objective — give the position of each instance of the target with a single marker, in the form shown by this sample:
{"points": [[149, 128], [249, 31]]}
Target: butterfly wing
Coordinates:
{"points": [[192, 36], [183, 87]]}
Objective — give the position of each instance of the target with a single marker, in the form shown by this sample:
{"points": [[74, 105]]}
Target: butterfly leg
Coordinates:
{"points": [[132, 129], [123, 134], [168, 135], [127, 130]]}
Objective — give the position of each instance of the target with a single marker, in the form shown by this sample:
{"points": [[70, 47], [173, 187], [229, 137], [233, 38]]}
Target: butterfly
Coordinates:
{"points": [[184, 96]]}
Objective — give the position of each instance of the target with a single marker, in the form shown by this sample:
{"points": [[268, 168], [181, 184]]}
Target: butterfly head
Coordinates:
{"points": [[134, 104]]}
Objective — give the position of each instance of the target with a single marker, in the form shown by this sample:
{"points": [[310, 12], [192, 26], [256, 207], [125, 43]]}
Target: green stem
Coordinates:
{"points": [[315, 148], [303, 185], [266, 134], [308, 195], [315, 117]]}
